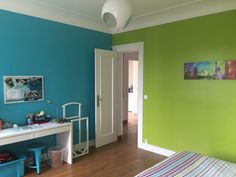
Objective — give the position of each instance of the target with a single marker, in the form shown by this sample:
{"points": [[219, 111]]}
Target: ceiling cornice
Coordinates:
{"points": [[184, 11], [45, 11]]}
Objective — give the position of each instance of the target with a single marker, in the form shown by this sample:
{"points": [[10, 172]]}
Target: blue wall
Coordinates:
{"points": [[63, 54]]}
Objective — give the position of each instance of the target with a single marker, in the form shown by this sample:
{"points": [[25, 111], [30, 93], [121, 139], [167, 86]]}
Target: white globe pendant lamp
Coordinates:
{"points": [[115, 13]]}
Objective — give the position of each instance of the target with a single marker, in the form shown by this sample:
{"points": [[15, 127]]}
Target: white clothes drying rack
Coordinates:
{"points": [[83, 147]]}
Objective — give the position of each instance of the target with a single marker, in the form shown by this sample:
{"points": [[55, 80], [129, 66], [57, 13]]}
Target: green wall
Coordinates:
{"points": [[195, 115]]}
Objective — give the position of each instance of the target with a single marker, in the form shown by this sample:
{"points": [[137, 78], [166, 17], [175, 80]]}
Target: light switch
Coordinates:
{"points": [[145, 97]]}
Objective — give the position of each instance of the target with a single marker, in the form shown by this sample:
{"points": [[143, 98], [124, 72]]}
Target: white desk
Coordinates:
{"points": [[63, 133]]}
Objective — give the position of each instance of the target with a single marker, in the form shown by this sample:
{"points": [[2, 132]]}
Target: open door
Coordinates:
{"points": [[105, 121]]}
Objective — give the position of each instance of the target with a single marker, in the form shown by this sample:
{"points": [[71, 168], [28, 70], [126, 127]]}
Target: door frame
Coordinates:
{"points": [[139, 47]]}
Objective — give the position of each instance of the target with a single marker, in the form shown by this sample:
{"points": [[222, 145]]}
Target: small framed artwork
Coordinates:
{"points": [[211, 70], [19, 89]]}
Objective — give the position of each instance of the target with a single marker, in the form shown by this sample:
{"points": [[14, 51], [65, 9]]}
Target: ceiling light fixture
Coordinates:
{"points": [[115, 13]]}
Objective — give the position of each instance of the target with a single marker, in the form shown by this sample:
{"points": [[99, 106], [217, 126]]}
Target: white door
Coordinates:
{"points": [[105, 97]]}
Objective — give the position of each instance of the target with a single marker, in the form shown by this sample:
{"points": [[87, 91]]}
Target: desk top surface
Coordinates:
{"points": [[5, 133]]}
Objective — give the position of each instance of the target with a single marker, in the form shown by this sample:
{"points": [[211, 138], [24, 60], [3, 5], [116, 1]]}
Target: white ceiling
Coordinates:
{"points": [[145, 13]]}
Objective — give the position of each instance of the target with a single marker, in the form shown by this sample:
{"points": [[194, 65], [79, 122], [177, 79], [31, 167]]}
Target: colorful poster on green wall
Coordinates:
{"points": [[218, 70]]}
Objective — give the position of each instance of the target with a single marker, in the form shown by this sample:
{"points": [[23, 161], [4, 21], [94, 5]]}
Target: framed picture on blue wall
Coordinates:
{"points": [[19, 89]]}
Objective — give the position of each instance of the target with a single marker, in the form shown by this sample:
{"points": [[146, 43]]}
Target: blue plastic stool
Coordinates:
{"points": [[37, 149]]}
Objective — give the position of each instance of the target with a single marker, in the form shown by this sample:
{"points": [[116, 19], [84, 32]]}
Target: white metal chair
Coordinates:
{"points": [[83, 147]]}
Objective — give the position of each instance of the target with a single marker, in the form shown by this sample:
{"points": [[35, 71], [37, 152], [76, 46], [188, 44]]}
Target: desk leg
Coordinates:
{"points": [[65, 140]]}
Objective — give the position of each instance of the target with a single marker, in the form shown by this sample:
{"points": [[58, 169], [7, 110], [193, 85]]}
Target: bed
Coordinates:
{"points": [[189, 164]]}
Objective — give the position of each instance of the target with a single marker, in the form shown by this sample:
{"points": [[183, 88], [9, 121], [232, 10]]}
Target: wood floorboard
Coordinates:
{"points": [[119, 159]]}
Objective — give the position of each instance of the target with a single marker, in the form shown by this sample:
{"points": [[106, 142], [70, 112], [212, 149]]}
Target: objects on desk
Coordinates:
{"points": [[30, 127], [37, 118], [7, 124], [56, 120], [55, 155], [41, 118], [59, 120], [30, 118]]}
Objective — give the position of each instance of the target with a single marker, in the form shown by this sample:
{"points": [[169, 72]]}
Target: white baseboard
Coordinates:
{"points": [[157, 150], [83, 145], [144, 146]]}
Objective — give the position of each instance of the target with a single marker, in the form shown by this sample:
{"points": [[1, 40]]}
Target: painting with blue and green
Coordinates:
{"points": [[209, 70]]}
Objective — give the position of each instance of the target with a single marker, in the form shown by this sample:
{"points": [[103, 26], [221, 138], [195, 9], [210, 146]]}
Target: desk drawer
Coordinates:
{"points": [[51, 131], [15, 139]]}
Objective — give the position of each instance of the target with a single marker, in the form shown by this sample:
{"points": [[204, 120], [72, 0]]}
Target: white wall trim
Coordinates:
{"points": [[139, 46], [44, 11], [194, 8], [190, 10], [157, 150], [147, 147]]}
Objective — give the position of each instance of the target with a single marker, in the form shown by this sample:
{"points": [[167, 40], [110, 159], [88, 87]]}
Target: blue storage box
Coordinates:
{"points": [[15, 168]]}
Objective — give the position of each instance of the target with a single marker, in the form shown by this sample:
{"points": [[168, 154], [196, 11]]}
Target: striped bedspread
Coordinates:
{"points": [[189, 164]]}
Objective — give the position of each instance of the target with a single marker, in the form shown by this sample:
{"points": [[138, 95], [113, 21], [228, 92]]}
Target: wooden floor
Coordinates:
{"points": [[119, 159]]}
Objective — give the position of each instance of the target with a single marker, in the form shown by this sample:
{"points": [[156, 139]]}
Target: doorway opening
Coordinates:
{"points": [[122, 107], [130, 87]]}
